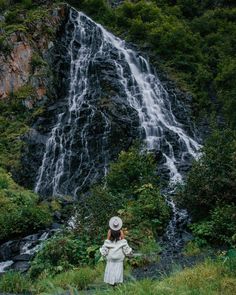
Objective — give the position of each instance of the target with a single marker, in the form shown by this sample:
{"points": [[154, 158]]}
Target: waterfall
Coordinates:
{"points": [[78, 148]]}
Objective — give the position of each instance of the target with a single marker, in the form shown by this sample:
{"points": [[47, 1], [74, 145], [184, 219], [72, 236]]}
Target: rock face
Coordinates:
{"points": [[107, 96], [15, 70], [110, 114], [23, 62]]}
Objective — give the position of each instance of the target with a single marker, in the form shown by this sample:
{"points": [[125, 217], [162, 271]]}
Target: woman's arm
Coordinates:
{"points": [[127, 250], [104, 250], [109, 234]]}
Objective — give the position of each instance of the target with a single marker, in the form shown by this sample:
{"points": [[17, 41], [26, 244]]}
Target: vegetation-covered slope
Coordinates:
{"points": [[195, 44], [193, 41]]}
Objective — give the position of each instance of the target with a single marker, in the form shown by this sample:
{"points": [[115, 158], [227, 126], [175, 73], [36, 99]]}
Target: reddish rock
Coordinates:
{"points": [[15, 69]]}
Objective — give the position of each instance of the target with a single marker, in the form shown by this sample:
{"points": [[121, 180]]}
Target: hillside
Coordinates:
{"points": [[118, 108]]}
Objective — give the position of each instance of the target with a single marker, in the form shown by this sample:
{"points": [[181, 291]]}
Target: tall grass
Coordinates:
{"points": [[209, 278], [74, 279], [14, 282]]}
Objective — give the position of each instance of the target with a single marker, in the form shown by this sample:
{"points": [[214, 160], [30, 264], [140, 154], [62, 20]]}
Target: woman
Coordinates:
{"points": [[115, 248]]}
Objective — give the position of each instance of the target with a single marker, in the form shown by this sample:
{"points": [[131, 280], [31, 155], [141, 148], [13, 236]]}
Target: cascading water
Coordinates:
{"points": [[109, 83], [136, 83], [78, 149]]}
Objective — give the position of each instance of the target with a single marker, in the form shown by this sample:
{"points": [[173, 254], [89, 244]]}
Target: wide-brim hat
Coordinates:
{"points": [[115, 223]]}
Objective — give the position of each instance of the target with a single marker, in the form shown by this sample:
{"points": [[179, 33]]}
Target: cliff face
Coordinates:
{"points": [[25, 52], [63, 66], [28, 77]]}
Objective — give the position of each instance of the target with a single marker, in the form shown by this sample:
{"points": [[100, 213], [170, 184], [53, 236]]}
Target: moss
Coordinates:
{"points": [[14, 119], [36, 14], [24, 92], [4, 45], [15, 28], [37, 61]]}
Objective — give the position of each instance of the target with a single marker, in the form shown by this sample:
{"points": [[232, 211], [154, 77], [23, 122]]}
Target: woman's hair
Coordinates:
{"points": [[115, 235]]}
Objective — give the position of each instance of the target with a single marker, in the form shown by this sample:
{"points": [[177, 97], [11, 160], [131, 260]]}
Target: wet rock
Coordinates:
{"points": [[22, 257], [21, 266], [9, 249]]}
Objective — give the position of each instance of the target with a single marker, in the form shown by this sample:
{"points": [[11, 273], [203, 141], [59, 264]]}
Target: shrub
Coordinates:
{"points": [[61, 253], [220, 225], [3, 4], [212, 178], [20, 211], [148, 208], [209, 192], [95, 210], [130, 191], [130, 171]]}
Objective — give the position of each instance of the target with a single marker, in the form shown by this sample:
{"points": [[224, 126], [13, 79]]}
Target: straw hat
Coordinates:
{"points": [[115, 223]]}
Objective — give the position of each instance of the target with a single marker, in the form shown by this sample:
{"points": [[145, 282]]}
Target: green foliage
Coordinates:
{"points": [[12, 17], [15, 28], [148, 208], [3, 4], [193, 41], [212, 177], [35, 15], [96, 210], [130, 192], [26, 3], [13, 124], [230, 261], [77, 278], [20, 212], [226, 88], [220, 225], [61, 253], [130, 171], [208, 278], [24, 92], [210, 189], [4, 45], [191, 248], [14, 282]]}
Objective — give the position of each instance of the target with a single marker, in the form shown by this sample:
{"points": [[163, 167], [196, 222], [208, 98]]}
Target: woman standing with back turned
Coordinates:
{"points": [[115, 248]]}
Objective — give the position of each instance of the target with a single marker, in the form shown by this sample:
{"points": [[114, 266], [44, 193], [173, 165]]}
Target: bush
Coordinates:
{"points": [[148, 207], [95, 210], [61, 253], [212, 178], [3, 4], [20, 211], [210, 189], [131, 170], [219, 227], [130, 192]]}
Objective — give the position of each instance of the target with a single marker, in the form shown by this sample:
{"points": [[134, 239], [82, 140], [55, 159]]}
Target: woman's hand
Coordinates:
{"points": [[109, 234], [122, 236]]}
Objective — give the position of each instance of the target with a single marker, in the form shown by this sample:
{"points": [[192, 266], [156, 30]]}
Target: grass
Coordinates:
{"points": [[208, 278], [15, 282], [75, 279]]}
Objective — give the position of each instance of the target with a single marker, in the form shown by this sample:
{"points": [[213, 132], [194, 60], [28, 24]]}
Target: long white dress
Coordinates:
{"points": [[115, 253]]}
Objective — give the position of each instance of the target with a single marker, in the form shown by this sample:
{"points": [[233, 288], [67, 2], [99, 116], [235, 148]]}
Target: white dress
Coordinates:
{"points": [[115, 253]]}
